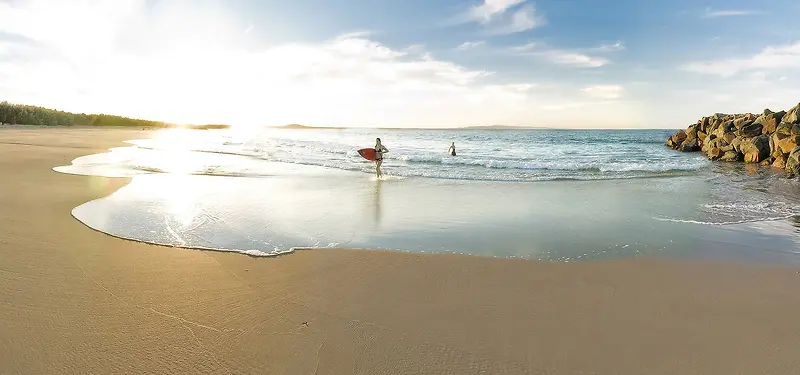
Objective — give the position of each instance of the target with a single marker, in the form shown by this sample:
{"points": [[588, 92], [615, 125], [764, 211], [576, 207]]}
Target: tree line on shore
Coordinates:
{"points": [[20, 114]]}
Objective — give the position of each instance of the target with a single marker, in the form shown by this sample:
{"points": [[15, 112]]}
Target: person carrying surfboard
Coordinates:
{"points": [[452, 149], [379, 151]]}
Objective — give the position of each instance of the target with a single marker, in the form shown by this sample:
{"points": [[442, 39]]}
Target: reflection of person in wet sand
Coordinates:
{"points": [[377, 202]]}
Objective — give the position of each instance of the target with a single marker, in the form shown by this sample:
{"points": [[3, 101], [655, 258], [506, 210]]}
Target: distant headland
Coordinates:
{"points": [[475, 127]]}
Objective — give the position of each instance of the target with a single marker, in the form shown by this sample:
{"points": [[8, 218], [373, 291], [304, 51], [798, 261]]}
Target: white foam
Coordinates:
{"points": [[743, 221]]}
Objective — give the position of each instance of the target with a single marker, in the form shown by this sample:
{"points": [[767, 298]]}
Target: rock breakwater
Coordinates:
{"points": [[770, 139]]}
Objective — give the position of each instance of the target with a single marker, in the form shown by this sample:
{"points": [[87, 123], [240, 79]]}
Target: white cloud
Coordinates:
{"points": [[770, 58], [573, 58], [525, 18], [491, 8], [604, 91], [562, 106], [416, 49], [618, 46], [728, 13], [149, 63], [356, 34], [470, 45], [499, 17], [525, 47], [47, 23], [562, 57], [188, 62], [6, 48]]}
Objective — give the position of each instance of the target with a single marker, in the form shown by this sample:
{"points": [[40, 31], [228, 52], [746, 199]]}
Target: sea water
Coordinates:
{"points": [[538, 194]]}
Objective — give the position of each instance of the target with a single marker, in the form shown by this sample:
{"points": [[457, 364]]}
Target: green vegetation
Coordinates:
{"points": [[33, 115]]}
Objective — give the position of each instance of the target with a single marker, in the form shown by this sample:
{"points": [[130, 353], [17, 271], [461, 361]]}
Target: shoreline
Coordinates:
{"points": [[449, 217], [123, 181], [79, 301]]}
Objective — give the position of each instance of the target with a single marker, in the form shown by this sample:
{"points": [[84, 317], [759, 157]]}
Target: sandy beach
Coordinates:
{"points": [[77, 301]]}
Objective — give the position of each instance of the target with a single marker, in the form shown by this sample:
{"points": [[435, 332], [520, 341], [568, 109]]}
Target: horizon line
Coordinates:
{"points": [[469, 127]]}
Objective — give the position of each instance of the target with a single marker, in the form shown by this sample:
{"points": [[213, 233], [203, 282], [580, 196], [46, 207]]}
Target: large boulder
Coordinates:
{"points": [[769, 121], [787, 144], [751, 130], [780, 162], [773, 145], [741, 122], [676, 139], [712, 124], [702, 125], [769, 127], [731, 156], [689, 145], [755, 149], [701, 135], [737, 144], [792, 116], [715, 153], [729, 137], [793, 162], [691, 132], [717, 128], [784, 130], [715, 143], [727, 127]]}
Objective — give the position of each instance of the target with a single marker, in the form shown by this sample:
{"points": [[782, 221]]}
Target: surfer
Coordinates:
{"points": [[379, 150], [452, 149]]}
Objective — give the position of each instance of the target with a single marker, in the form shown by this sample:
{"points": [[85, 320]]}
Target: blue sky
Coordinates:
{"points": [[553, 63]]}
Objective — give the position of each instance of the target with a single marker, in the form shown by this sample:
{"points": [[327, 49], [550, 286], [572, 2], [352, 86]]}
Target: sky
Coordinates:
{"points": [[403, 63]]}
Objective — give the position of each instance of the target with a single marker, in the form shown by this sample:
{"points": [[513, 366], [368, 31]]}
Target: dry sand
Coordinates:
{"points": [[75, 301]]}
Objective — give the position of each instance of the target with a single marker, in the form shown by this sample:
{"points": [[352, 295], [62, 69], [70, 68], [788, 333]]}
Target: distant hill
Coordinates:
{"points": [[32, 115], [499, 127]]}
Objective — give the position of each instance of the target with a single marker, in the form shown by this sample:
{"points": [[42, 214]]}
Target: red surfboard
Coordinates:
{"points": [[367, 153]]}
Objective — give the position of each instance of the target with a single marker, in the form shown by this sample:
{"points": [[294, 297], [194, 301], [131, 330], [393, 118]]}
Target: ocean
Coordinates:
{"points": [[557, 195]]}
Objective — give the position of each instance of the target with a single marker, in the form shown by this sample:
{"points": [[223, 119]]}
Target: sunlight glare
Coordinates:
{"points": [[175, 148]]}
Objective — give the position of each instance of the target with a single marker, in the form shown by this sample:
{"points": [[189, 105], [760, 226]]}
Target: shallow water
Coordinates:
{"points": [[194, 190], [532, 155]]}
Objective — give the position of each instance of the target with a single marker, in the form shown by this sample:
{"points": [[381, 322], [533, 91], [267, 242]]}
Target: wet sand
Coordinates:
{"points": [[76, 301]]}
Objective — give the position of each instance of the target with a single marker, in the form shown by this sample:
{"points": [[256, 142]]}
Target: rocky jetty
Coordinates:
{"points": [[771, 138]]}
